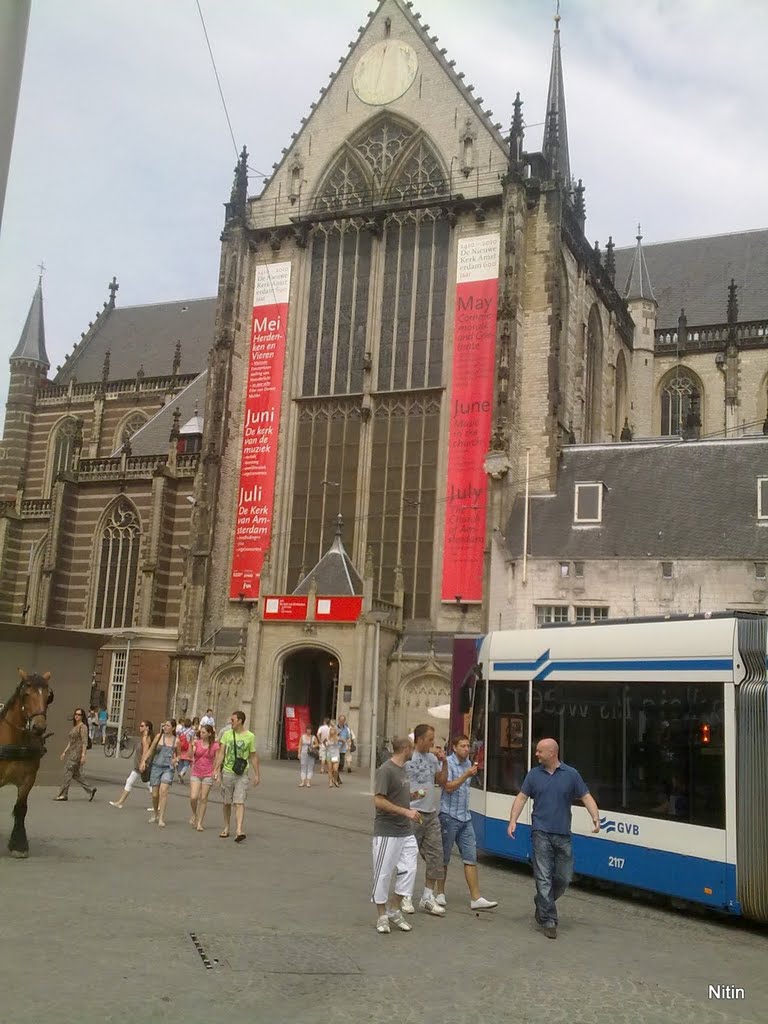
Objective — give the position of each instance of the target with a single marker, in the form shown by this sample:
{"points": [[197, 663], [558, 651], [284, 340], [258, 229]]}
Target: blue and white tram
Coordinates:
{"points": [[667, 722]]}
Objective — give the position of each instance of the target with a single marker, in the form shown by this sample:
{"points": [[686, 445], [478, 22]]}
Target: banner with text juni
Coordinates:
{"points": [[261, 423], [472, 382]]}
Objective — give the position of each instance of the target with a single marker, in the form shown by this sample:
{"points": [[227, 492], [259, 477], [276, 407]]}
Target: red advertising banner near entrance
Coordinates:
{"points": [[296, 720], [472, 381], [287, 608], [261, 423]]}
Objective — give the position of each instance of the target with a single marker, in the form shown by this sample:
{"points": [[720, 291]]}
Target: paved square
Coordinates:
{"points": [[112, 919]]}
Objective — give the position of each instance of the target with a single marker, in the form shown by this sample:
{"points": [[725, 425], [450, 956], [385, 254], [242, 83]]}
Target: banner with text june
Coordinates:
{"points": [[471, 410], [261, 423]]}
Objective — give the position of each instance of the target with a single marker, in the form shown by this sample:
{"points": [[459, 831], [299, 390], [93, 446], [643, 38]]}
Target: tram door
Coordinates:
{"points": [[478, 740]]}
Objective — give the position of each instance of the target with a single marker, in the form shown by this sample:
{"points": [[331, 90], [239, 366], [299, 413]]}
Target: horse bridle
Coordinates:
{"points": [[28, 719]]}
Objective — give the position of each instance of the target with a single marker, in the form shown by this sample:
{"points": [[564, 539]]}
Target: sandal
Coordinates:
{"points": [[224, 834], [240, 837], [200, 828]]}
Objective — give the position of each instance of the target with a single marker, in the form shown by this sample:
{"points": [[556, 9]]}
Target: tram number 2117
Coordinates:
{"points": [[615, 862]]}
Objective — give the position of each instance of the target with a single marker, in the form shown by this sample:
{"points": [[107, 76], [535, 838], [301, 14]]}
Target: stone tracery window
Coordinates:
{"points": [[346, 187], [421, 175], [117, 550], [681, 403], [63, 447]]}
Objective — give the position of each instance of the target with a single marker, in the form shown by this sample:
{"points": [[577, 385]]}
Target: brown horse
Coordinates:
{"points": [[23, 725]]}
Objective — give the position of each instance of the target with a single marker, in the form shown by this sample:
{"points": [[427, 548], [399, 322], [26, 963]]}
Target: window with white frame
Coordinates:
{"points": [[548, 613], [593, 613], [565, 569], [588, 503], [578, 569], [762, 497], [761, 570], [666, 570], [116, 685]]}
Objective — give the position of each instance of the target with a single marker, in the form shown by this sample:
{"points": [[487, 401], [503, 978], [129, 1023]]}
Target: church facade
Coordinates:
{"points": [[289, 498]]}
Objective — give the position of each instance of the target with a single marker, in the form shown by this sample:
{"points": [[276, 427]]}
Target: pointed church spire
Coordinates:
{"points": [[239, 195], [555, 146], [31, 346], [516, 136], [638, 284]]}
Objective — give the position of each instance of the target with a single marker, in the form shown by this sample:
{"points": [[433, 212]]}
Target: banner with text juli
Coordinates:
{"points": [[261, 424], [472, 382]]}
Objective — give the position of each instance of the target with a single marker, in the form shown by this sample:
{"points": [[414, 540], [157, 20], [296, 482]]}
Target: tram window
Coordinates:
{"points": [[507, 761], [477, 734], [650, 749]]}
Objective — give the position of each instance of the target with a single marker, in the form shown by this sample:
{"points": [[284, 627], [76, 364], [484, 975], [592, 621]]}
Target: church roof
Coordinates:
{"points": [[137, 336], [334, 574], [661, 500], [694, 274], [31, 344], [154, 436]]}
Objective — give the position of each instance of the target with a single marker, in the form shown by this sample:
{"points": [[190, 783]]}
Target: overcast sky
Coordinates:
{"points": [[122, 157]]}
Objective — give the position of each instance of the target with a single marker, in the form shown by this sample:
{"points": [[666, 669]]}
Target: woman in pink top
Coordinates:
{"points": [[204, 750]]}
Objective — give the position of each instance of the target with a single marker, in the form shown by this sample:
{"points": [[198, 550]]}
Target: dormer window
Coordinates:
{"points": [[588, 503], [762, 497]]}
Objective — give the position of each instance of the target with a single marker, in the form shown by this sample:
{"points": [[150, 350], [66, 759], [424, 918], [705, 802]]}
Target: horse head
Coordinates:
{"points": [[34, 695]]}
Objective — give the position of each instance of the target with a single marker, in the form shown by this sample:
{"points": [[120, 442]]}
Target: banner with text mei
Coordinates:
{"points": [[261, 422], [472, 383]]}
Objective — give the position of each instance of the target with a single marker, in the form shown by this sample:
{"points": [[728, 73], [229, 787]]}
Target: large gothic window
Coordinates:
{"points": [[128, 428], [401, 520], [337, 318], [324, 483], [593, 378], [62, 449], [388, 160], [117, 552], [681, 403]]}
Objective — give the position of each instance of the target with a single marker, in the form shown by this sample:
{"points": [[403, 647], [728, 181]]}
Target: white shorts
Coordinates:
{"points": [[394, 855]]}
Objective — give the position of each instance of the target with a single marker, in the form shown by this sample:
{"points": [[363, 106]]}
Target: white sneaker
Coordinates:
{"points": [[382, 925], [399, 921], [406, 905], [114, 803], [440, 900], [483, 904], [431, 906]]}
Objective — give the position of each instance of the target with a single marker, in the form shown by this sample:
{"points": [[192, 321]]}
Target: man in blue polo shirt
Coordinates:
{"points": [[553, 787]]}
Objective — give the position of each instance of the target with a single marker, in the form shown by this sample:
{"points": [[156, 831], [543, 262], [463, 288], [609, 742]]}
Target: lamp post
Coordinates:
{"points": [[128, 636], [377, 618]]}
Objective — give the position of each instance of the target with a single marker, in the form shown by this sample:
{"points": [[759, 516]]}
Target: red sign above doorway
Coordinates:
{"points": [[291, 608]]}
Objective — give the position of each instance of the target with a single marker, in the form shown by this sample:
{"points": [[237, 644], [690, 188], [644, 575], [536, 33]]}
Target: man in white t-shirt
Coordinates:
{"points": [[322, 738], [208, 719]]}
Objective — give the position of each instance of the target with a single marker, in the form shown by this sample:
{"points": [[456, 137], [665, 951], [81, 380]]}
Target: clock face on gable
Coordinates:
{"points": [[385, 72]]}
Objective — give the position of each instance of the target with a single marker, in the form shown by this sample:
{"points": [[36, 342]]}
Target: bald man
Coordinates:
{"points": [[553, 787]]}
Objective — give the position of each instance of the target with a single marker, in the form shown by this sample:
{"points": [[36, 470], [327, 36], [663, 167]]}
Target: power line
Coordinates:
{"points": [[218, 80]]}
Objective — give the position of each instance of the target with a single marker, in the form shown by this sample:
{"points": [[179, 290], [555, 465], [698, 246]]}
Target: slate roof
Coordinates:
{"points": [[639, 284], [145, 336], [694, 273], [334, 574], [665, 500], [32, 341], [153, 437]]}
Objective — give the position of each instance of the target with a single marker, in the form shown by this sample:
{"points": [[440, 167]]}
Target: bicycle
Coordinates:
{"points": [[127, 745]]}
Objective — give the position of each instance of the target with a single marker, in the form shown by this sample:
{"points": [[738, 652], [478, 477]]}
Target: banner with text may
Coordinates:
{"points": [[261, 423], [472, 382]]}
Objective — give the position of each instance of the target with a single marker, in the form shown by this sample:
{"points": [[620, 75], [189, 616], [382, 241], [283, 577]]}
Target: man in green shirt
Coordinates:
{"points": [[236, 742]]}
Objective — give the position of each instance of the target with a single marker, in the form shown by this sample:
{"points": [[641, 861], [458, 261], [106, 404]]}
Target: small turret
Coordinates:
{"points": [[643, 309], [31, 346]]}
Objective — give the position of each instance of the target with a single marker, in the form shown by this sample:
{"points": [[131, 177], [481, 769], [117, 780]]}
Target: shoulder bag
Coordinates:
{"points": [[240, 763]]}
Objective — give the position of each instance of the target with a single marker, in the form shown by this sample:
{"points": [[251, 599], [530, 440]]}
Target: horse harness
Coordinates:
{"points": [[24, 751]]}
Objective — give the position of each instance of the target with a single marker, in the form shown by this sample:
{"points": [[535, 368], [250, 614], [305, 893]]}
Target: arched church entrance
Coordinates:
{"points": [[310, 680]]}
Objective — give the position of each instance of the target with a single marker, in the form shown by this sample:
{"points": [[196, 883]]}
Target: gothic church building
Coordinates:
{"points": [[289, 498]]}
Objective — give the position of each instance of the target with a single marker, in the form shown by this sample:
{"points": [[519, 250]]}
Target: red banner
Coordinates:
{"points": [[290, 608], [338, 609], [261, 423], [472, 381], [296, 720]]}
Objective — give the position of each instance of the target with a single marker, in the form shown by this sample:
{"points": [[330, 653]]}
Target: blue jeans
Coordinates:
{"points": [[552, 872]]}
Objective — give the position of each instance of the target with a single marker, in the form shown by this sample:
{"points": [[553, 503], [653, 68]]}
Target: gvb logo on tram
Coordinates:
{"points": [[626, 828]]}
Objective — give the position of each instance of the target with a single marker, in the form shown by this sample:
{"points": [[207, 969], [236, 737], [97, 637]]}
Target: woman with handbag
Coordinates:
{"points": [[309, 750], [146, 733]]}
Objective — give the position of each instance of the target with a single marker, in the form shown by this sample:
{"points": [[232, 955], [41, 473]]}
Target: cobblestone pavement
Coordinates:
{"points": [[114, 920]]}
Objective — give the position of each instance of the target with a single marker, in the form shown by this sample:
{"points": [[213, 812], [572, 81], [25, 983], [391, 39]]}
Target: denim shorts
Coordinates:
{"points": [[160, 775], [463, 834]]}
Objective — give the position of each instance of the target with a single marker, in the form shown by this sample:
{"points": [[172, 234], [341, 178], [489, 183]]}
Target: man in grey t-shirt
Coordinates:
{"points": [[395, 850]]}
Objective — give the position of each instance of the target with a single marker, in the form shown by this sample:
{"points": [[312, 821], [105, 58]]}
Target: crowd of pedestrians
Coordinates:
{"points": [[421, 803]]}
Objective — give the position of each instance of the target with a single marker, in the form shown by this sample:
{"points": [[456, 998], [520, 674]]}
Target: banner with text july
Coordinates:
{"points": [[261, 423], [471, 410]]}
